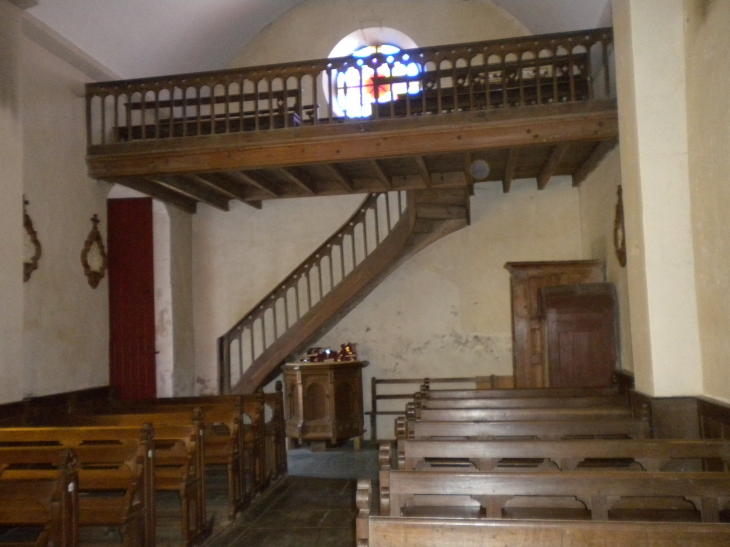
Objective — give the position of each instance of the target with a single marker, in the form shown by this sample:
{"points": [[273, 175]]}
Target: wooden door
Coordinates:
{"points": [[581, 335], [526, 280], [131, 298]]}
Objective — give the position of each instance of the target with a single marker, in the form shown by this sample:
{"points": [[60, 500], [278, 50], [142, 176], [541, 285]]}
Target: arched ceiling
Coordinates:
{"points": [[138, 38]]}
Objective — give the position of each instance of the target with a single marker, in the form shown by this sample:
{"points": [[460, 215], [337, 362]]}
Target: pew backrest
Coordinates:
{"points": [[597, 490], [566, 455], [385, 531], [619, 427]]}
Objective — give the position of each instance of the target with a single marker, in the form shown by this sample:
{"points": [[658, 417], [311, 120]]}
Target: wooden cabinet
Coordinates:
{"points": [[580, 330], [528, 333], [324, 401]]}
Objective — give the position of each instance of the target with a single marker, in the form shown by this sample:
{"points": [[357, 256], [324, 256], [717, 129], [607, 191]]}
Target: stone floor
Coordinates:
{"points": [[314, 505]]}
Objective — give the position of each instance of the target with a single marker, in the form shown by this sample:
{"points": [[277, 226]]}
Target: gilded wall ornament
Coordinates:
{"points": [[32, 245], [619, 233], [93, 256]]}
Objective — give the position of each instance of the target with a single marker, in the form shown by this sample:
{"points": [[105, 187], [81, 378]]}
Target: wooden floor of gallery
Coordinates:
{"points": [[313, 505]]}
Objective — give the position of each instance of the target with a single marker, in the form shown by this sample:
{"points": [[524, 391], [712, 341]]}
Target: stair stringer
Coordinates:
{"points": [[400, 245]]}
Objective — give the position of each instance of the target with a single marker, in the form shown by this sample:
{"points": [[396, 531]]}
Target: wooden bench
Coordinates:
{"points": [[46, 498], [565, 455], [111, 460], [513, 393], [617, 427], [514, 414], [380, 531], [223, 441], [179, 459], [524, 402], [276, 459], [599, 495]]}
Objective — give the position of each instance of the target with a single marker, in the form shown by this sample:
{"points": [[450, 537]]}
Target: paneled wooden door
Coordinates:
{"points": [[581, 334], [131, 298]]}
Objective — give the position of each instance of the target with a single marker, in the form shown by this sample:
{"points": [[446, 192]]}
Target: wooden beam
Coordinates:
{"points": [[599, 152], [299, 181], [337, 143], [467, 172], [227, 185], [194, 190], [339, 177], [551, 165], [509, 172], [423, 170], [181, 201], [384, 179], [254, 180]]}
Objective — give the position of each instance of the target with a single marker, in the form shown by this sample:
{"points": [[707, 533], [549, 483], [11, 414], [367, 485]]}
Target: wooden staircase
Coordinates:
{"points": [[385, 231]]}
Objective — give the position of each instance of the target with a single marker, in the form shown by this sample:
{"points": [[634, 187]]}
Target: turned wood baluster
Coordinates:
{"points": [[520, 77], [571, 75], [606, 68], [455, 84], [309, 289], [555, 74], [505, 78]]}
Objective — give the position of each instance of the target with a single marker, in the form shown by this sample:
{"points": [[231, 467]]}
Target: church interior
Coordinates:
{"points": [[283, 219]]}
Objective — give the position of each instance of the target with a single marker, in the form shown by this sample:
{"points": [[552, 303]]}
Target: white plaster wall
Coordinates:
{"points": [[241, 255], [164, 324], [597, 212], [11, 210], [446, 311], [311, 29], [650, 63], [65, 321], [181, 281], [708, 114]]}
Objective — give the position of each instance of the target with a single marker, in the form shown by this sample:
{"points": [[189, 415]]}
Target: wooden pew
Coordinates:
{"points": [[617, 427], [517, 392], [600, 495], [111, 460], [46, 497], [276, 462], [514, 414], [223, 442], [179, 459], [524, 402], [380, 531], [565, 455]]}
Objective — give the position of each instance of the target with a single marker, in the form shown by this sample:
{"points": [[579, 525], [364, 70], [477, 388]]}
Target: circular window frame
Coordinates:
{"points": [[358, 39]]}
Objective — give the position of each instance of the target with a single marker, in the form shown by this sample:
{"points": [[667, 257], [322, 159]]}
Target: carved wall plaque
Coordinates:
{"points": [[619, 234], [93, 256], [32, 245]]}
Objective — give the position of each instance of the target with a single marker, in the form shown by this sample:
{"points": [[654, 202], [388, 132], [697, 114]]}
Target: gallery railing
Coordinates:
{"points": [[566, 67]]}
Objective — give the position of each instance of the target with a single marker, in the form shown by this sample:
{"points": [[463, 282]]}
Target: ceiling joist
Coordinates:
{"points": [[599, 152], [337, 175], [509, 173], [298, 180], [551, 166], [194, 190], [384, 179]]}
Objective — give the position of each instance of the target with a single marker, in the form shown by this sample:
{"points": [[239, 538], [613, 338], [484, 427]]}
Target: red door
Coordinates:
{"points": [[131, 298]]}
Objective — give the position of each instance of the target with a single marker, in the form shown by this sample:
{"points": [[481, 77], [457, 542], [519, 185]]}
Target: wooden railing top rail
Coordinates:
{"points": [[518, 44], [287, 95]]}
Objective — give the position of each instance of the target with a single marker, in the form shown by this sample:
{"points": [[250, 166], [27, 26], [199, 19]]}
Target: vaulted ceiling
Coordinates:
{"points": [[138, 38]]}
